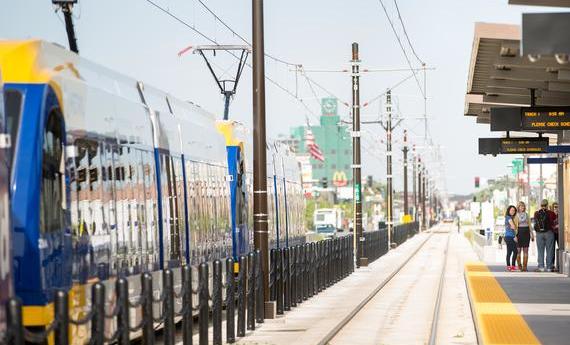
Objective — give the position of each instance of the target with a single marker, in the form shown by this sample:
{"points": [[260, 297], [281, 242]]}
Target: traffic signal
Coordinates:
{"points": [[369, 181], [477, 182], [324, 182]]}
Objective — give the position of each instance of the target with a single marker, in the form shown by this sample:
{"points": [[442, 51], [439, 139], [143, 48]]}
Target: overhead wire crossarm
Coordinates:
{"points": [[228, 87], [209, 39]]}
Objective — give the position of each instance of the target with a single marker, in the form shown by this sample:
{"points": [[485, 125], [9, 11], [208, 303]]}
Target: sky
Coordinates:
{"points": [[135, 38]]}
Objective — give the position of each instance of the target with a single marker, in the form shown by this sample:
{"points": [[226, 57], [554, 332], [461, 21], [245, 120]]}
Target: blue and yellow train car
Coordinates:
{"points": [[111, 178]]}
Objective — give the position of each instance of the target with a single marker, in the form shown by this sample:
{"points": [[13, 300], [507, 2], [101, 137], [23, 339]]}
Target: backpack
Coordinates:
{"points": [[541, 221]]}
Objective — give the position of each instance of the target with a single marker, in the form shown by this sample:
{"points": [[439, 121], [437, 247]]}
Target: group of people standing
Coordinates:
{"points": [[518, 235]]}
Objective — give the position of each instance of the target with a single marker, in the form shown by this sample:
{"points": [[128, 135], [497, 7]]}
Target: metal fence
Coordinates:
{"points": [[376, 242], [404, 231], [297, 273]]}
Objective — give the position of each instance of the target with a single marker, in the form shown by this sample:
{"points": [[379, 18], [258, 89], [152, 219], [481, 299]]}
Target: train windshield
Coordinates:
{"points": [[13, 107]]}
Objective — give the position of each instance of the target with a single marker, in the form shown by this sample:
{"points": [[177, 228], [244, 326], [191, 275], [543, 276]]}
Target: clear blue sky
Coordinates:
{"points": [[133, 37]]}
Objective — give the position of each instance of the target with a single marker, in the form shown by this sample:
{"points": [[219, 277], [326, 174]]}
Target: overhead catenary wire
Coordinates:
{"points": [[211, 40], [243, 39], [406, 34], [401, 46]]}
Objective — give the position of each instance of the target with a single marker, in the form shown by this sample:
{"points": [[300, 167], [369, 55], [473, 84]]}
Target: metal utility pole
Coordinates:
{"points": [[67, 7], [260, 226], [414, 182], [389, 192], [423, 182], [405, 149], [356, 161]]}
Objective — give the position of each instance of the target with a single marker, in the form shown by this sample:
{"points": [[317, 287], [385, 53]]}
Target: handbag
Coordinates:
{"points": [[500, 239]]}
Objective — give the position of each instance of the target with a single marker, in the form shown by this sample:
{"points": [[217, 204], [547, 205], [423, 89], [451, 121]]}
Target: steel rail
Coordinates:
{"points": [[330, 336], [437, 307]]}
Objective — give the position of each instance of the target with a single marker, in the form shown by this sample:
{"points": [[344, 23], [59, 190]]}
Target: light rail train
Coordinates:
{"points": [[111, 177]]}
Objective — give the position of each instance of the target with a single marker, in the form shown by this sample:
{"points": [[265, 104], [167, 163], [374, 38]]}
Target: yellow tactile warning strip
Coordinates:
{"points": [[497, 319]]}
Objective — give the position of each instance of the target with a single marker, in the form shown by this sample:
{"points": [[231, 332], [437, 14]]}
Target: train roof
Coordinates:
{"points": [[84, 87]]}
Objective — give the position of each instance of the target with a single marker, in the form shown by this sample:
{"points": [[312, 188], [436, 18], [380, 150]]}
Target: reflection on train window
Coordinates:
{"points": [[173, 210], [53, 181]]}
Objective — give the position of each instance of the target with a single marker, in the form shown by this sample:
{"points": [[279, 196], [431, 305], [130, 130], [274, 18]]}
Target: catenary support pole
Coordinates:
{"points": [[389, 192], [414, 182], [356, 162], [423, 181], [405, 149], [260, 226]]}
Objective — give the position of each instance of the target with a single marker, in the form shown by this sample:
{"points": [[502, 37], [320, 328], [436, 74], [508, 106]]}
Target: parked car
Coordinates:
{"points": [[327, 230]]}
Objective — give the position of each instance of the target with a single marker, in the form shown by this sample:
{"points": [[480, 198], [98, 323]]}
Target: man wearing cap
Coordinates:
{"points": [[544, 236]]}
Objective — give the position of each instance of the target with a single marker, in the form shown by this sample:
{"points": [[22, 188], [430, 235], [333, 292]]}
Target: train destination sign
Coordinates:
{"points": [[495, 146], [545, 118]]}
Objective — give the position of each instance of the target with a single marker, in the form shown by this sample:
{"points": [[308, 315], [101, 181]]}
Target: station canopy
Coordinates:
{"points": [[552, 3], [499, 76]]}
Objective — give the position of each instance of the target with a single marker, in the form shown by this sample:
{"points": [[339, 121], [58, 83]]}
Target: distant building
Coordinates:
{"points": [[335, 142]]}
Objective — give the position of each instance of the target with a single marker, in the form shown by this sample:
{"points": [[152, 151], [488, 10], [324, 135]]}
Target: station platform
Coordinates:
{"points": [[518, 307]]}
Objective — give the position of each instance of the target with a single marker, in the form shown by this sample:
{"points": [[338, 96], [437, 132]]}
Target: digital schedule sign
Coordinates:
{"points": [[495, 146], [523, 145], [545, 118]]}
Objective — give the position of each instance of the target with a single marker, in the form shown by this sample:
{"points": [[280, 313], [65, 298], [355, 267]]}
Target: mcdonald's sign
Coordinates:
{"points": [[339, 179]]}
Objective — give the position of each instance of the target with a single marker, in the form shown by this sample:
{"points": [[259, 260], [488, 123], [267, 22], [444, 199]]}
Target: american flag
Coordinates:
{"points": [[312, 147]]}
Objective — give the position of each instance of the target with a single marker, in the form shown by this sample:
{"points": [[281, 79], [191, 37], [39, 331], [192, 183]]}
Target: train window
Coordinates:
{"points": [[13, 107], [52, 195], [173, 211], [152, 238]]}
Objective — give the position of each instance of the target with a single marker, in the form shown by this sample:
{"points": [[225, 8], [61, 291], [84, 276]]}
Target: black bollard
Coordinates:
{"points": [[217, 303], [147, 309], [279, 289], [259, 294], [311, 262], [230, 302], [251, 291], [187, 317], [335, 260], [241, 302], [123, 324], [61, 306], [300, 269], [320, 264], [15, 321], [286, 280], [98, 322], [306, 271], [293, 275], [168, 307], [203, 297]]}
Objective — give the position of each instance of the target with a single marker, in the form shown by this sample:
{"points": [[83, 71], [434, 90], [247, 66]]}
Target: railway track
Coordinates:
{"points": [[387, 316]]}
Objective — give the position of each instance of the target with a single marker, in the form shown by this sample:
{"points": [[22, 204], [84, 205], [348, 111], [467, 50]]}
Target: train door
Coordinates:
{"points": [[239, 201], [5, 226], [39, 198]]}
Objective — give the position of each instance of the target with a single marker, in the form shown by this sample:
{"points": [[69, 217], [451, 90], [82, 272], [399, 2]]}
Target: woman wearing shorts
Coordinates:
{"points": [[524, 236]]}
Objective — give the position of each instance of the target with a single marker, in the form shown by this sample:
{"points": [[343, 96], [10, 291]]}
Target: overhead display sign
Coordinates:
{"points": [[495, 146], [505, 119], [523, 145], [545, 118]]}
